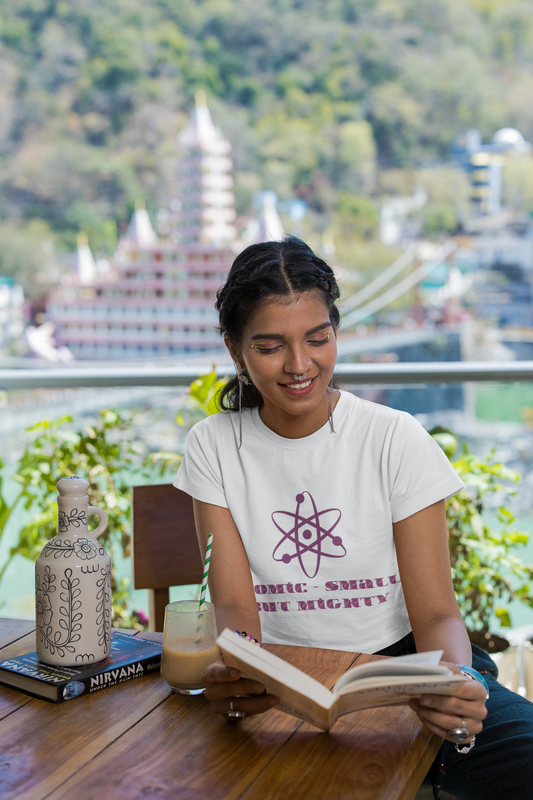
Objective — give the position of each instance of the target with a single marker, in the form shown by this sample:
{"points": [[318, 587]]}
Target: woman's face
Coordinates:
{"points": [[283, 339]]}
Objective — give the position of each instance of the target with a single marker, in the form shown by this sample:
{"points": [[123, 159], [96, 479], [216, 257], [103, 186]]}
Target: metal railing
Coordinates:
{"points": [[351, 374]]}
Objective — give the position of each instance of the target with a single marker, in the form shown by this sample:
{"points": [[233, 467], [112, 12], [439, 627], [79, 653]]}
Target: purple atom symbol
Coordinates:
{"points": [[307, 535]]}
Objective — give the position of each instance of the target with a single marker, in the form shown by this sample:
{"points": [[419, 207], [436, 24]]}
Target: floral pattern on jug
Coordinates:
{"points": [[73, 584]]}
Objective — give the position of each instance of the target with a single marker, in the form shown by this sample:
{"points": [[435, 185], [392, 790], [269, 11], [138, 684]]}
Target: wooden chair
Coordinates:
{"points": [[165, 549]]}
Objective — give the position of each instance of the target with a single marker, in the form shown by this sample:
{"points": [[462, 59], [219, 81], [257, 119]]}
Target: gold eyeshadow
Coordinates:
{"points": [[260, 346], [321, 341]]}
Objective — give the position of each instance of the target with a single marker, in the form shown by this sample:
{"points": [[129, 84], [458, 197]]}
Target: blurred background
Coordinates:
{"points": [[144, 144]]}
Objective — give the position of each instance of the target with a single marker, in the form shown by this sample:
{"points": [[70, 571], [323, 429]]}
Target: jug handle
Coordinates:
{"points": [[103, 520]]}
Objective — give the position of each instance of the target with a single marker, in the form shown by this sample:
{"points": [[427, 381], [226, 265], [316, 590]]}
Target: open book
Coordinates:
{"points": [[388, 682]]}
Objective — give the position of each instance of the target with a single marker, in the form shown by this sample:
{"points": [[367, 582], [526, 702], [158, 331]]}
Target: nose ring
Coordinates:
{"points": [[299, 377]]}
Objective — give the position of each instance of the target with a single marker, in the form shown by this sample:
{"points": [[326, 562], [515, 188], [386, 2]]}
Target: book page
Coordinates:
{"points": [[370, 696], [414, 664], [300, 695]]}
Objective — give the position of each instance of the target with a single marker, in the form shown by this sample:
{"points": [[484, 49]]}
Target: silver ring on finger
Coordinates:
{"points": [[459, 734], [235, 715]]}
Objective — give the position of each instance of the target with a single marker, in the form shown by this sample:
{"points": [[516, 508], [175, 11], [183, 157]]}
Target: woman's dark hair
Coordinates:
{"points": [[261, 272]]}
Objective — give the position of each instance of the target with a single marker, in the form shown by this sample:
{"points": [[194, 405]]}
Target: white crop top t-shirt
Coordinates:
{"points": [[315, 516]]}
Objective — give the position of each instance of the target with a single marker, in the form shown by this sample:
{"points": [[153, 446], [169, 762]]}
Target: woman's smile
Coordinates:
{"points": [[299, 389]]}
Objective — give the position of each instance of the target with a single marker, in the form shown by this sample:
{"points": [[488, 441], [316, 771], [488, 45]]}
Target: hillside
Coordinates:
{"points": [[335, 101]]}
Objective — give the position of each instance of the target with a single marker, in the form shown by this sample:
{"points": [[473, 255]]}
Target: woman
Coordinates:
{"points": [[329, 514]]}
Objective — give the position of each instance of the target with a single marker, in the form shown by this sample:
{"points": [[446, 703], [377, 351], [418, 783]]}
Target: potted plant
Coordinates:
{"points": [[487, 572]]}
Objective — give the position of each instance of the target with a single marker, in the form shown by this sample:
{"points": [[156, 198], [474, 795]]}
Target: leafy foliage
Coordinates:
{"points": [[203, 394], [27, 255], [104, 454], [105, 457], [486, 572], [317, 98]]}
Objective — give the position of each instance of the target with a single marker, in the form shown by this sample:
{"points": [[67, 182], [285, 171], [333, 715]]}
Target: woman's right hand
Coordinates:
{"points": [[224, 685]]}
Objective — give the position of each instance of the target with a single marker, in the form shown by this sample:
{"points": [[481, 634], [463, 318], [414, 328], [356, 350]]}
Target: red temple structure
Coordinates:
{"points": [[156, 300]]}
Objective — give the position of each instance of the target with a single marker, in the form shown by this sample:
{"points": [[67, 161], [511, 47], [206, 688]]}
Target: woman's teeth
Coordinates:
{"points": [[299, 385]]}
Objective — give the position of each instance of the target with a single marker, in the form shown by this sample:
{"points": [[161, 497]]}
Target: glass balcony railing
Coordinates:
{"points": [[350, 374], [487, 404]]}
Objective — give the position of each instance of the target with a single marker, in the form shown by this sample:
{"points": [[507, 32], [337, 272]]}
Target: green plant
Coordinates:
{"points": [[203, 395], [485, 570], [102, 454]]}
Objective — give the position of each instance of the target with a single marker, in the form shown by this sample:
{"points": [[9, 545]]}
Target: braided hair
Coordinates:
{"points": [[261, 272]]}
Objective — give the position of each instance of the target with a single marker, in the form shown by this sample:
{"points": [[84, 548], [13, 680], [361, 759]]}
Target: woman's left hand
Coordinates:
{"points": [[442, 713]]}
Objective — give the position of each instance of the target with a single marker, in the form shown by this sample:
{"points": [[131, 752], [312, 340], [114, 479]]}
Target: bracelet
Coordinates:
{"points": [[474, 675], [251, 639], [467, 748]]}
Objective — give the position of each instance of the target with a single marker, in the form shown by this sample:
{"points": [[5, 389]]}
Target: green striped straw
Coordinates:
{"points": [[207, 562]]}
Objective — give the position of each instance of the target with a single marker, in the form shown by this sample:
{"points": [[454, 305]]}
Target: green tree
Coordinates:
{"points": [[357, 215], [27, 254], [316, 98], [518, 182], [448, 192]]}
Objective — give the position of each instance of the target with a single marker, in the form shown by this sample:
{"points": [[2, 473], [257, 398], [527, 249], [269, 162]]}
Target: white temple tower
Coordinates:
{"points": [[270, 227], [85, 262], [203, 209], [140, 232]]}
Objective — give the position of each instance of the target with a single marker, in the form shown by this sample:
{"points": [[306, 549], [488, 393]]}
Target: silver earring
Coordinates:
{"points": [[243, 379], [299, 377], [330, 409]]}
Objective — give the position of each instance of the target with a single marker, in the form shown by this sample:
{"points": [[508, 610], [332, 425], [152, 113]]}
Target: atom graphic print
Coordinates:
{"points": [[307, 535]]}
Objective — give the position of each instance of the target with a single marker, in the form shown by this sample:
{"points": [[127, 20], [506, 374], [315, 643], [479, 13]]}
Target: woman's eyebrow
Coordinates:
{"points": [[280, 336], [319, 328]]}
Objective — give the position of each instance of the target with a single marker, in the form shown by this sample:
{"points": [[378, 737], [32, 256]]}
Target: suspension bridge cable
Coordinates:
{"points": [[389, 296]]}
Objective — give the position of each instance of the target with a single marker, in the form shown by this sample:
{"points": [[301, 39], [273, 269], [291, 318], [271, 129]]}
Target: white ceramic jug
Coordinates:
{"points": [[73, 584]]}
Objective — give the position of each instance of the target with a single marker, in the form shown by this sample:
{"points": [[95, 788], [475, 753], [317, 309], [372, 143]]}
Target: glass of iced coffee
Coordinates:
{"points": [[189, 645]]}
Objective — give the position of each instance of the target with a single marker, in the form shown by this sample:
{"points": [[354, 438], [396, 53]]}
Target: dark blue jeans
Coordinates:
{"points": [[500, 766]]}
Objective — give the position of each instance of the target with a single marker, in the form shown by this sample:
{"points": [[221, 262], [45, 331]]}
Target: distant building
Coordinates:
{"points": [[156, 299], [267, 226], [270, 227], [484, 164], [11, 311]]}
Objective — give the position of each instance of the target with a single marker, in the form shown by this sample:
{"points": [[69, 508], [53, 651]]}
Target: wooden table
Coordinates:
{"points": [[139, 741]]}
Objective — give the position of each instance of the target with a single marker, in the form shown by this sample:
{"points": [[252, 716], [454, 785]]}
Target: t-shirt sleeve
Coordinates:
{"points": [[199, 474], [419, 472]]}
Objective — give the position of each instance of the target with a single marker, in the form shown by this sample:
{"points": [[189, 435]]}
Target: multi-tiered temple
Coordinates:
{"points": [[157, 298]]}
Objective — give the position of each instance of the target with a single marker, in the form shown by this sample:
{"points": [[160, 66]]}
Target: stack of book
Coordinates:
{"points": [[130, 657]]}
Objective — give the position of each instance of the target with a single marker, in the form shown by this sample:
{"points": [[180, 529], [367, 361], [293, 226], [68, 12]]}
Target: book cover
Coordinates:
{"points": [[130, 657]]}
